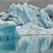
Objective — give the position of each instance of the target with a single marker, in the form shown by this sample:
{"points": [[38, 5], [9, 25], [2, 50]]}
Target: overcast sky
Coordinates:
{"points": [[4, 4]]}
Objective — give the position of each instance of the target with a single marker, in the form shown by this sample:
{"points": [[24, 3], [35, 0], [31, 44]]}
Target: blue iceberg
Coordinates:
{"points": [[44, 19], [8, 35], [29, 36], [27, 14]]}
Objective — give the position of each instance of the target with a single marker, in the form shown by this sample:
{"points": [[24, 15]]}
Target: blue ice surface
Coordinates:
{"points": [[26, 14], [26, 44], [8, 35], [44, 19]]}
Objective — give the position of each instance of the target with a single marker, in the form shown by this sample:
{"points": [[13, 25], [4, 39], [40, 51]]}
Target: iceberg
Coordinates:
{"points": [[26, 29], [36, 23], [8, 35], [26, 13], [19, 11], [44, 19], [31, 14]]}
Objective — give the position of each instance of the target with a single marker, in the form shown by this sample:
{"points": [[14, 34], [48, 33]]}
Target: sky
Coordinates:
{"points": [[4, 4]]}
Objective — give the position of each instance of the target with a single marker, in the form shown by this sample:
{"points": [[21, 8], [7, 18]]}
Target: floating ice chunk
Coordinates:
{"points": [[8, 35]]}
